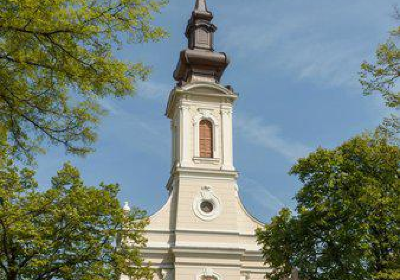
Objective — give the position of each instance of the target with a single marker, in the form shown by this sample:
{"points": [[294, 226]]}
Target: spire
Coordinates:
{"points": [[200, 9], [200, 30], [199, 62], [201, 5]]}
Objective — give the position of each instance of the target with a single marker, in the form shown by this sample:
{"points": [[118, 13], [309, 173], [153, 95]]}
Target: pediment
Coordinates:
{"points": [[208, 88], [199, 89]]}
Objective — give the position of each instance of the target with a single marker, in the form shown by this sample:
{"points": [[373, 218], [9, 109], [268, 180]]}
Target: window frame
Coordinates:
{"points": [[206, 139], [205, 115]]}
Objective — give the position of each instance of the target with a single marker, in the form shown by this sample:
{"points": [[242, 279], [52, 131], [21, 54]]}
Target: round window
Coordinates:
{"points": [[206, 206]]}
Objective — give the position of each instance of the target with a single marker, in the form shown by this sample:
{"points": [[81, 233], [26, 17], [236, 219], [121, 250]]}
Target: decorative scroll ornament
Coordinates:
{"points": [[205, 114], [208, 273], [166, 274], [207, 205]]}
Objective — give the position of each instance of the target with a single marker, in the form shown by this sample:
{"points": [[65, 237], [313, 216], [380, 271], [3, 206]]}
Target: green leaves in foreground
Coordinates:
{"points": [[382, 77], [348, 222], [57, 60], [67, 232]]}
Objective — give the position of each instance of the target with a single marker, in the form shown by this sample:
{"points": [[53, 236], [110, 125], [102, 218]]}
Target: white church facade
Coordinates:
{"points": [[203, 232]]}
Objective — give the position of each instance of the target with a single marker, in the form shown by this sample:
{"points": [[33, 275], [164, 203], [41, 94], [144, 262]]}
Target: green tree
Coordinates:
{"points": [[382, 77], [57, 60], [348, 221], [67, 232]]}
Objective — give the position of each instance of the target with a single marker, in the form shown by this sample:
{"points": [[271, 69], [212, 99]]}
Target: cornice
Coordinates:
{"points": [[195, 172], [196, 231], [185, 251], [191, 89]]}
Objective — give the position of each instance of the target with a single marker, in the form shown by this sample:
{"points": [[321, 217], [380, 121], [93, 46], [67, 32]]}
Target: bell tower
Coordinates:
{"points": [[200, 108], [203, 232]]}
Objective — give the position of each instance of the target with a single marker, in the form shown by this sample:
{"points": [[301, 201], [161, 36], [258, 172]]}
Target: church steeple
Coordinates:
{"points": [[200, 30], [203, 232], [199, 62], [201, 6]]}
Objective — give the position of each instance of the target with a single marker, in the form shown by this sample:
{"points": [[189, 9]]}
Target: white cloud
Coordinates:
{"points": [[109, 106], [137, 132], [260, 194], [310, 58], [323, 45], [269, 137], [329, 64], [154, 91], [149, 90]]}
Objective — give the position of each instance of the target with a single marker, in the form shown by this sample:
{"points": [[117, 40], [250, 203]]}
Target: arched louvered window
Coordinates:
{"points": [[206, 139]]}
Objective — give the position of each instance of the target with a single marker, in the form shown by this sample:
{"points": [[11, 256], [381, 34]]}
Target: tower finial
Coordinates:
{"points": [[199, 62], [201, 12], [201, 6], [200, 30]]}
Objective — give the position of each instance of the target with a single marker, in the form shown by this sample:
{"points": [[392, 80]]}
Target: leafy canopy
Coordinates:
{"points": [[348, 222], [56, 61], [67, 232], [382, 77]]}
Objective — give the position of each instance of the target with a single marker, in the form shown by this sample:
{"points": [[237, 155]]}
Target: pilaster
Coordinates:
{"points": [[184, 134], [227, 159]]}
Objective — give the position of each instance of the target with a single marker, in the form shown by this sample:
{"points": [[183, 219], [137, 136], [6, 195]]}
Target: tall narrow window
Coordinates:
{"points": [[206, 139]]}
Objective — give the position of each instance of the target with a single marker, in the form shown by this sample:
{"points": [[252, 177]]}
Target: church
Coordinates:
{"points": [[203, 232]]}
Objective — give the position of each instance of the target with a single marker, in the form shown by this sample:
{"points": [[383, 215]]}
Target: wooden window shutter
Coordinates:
{"points": [[206, 139]]}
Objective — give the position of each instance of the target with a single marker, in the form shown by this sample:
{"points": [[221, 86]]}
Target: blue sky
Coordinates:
{"points": [[295, 65]]}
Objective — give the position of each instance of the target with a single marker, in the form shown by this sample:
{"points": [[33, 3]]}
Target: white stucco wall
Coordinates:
{"points": [[182, 244]]}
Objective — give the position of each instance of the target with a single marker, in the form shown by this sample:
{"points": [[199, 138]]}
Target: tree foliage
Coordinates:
{"points": [[382, 77], [67, 232], [57, 60], [348, 221]]}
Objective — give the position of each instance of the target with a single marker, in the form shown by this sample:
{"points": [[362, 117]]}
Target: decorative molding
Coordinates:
{"points": [[226, 111], [184, 106], [207, 273], [205, 114], [246, 248], [204, 173], [236, 188], [207, 195], [166, 274], [214, 161], [197, 231]]}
